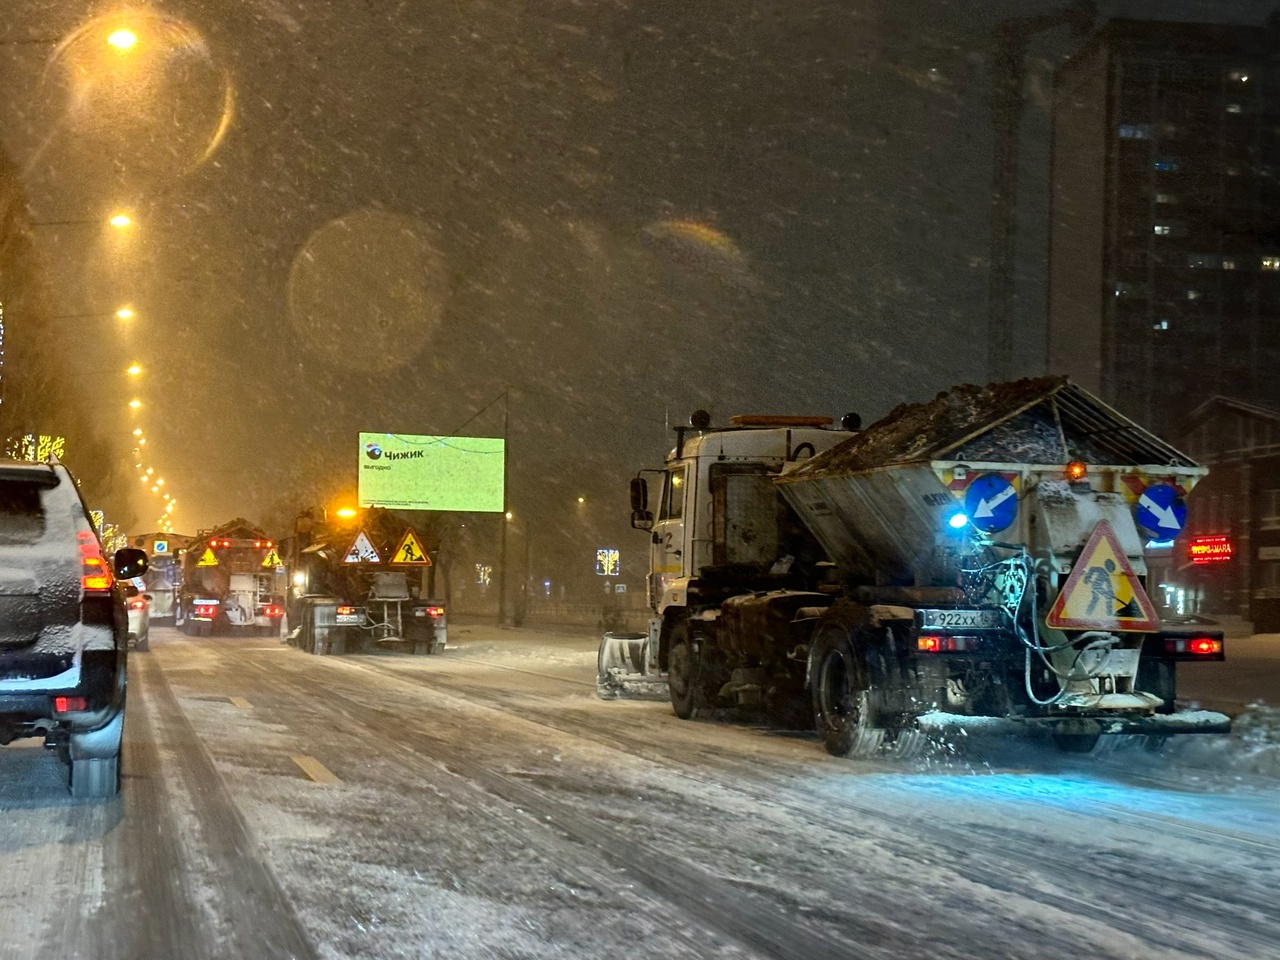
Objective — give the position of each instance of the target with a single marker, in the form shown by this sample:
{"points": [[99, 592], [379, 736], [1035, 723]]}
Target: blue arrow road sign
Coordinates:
{"points": [[1161, 512], [991, 502]]}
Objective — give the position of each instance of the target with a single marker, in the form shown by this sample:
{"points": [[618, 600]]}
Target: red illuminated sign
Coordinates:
{"points": [[1210, 549]]}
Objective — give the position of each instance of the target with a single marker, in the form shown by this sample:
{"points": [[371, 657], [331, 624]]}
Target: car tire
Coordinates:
{"points": [[841, 690], [95, 779]]}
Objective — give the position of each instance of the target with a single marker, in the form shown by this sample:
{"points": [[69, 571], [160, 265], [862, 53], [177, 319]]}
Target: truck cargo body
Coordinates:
{"points": [[232, 582]]}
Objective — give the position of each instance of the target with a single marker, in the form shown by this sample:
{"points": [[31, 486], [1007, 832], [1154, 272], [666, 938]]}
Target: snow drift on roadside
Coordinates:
{"points": [[1252, 747]]}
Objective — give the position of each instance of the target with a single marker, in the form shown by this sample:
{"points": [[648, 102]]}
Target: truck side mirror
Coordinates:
{"points": [[641, 518], [639, 495], [129, 563]]}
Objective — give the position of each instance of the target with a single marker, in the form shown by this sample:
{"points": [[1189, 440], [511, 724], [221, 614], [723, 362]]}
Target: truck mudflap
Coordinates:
{"points": [[1163, 724], [627, 668]]}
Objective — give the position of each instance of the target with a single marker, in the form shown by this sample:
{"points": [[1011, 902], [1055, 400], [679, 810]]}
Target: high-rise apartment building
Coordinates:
{"points": [[1165, 236]]}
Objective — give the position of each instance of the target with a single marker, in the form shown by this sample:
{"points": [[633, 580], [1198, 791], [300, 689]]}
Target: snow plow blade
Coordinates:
{"points": [[625, 669], [1163, 724]]}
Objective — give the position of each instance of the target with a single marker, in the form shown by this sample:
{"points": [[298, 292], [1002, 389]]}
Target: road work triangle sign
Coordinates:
{"points": [[208, 559], [410, 552], [1103, 592], [361, 550], [272, 559]]}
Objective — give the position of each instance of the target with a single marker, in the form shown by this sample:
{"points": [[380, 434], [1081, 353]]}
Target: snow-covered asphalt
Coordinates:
{"points": [[484, 803]]}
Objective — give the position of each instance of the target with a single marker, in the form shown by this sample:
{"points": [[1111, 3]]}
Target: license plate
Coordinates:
{"points": [[959, 619], [347, 618]]}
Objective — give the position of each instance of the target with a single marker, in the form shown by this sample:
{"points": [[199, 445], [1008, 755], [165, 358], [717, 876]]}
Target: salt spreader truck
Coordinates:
{"points": [[232, 582], [976, 561]]}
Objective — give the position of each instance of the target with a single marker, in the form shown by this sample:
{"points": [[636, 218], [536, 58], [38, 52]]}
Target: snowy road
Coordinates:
{"points": [[484, 803]]}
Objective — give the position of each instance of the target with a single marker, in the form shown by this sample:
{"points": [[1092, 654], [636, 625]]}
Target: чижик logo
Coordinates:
{"points": [[373, 451]]}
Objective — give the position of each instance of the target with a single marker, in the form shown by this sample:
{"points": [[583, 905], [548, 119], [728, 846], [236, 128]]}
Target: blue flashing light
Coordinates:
{"points": [[958, 521]]}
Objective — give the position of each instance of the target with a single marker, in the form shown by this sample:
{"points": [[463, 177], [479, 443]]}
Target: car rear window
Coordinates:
{"points": [[21, 514]]}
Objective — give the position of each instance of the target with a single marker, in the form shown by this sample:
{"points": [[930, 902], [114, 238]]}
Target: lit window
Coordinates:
{"points": [[1161, 229], [1271, 263], [1164, 198], [1233, 108], [1160, 325], [1193, 294], [1228, 264]]}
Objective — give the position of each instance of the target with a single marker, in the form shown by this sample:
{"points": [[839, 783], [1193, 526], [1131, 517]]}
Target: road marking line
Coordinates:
{"points": [[316, 770], [240, 702]]}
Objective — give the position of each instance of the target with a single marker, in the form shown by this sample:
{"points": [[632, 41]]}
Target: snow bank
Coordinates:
{"points": [[1252, 747]]}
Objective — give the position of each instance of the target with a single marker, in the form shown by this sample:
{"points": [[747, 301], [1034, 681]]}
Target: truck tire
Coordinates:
{"points": [[841, 692], [685, 682]]}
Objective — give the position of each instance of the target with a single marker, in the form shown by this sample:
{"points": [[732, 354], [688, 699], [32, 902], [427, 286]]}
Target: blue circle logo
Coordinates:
{"points": [[373, 451]]}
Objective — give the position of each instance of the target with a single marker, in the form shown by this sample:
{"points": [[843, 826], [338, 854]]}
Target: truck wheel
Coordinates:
{"points": [[684, 675], [841, 701]]}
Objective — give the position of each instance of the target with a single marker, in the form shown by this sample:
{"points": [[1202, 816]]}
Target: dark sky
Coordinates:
{"points": [[619, 210]]}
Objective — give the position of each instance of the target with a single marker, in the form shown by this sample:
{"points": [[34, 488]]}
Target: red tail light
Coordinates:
{"points": [[937, 644], [69, 704], [1197, 646], [346, 611], [138, 604], [95, 576], [928, 644], [435, 611]]}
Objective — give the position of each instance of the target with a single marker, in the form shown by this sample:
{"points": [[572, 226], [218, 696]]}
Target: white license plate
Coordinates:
{"points": [[960, 620], [347, 618]]}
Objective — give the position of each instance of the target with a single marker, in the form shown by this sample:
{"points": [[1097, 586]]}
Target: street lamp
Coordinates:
{"points": [[135, 404], [123, 40], [120, 221], [133, 370]]}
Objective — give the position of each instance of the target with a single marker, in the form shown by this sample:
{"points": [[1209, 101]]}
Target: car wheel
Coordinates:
{"points": [[841, 693]]}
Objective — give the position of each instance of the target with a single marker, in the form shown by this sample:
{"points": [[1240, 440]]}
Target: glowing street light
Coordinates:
{"points": [[120, 221], [124, 313], [137, 431], [123, 40], [133, 370], [135, 404], [346, 513]]}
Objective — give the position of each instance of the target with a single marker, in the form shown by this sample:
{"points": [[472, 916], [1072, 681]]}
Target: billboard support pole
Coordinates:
{"points": [[502, 519]]}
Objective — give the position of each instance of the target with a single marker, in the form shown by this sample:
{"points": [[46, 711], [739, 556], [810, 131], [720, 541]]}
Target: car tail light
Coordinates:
{"points": [[1194, 646], [138, 604], [944, 644], [95, 575], [435, 611], [70, 704], [346, 611]]}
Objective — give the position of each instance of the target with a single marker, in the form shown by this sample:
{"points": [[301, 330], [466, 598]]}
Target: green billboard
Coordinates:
{"points": [[405, 472]]}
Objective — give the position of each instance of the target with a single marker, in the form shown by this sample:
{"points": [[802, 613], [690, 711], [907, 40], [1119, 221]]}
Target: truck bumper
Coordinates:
{"points": [[1164, 724]]}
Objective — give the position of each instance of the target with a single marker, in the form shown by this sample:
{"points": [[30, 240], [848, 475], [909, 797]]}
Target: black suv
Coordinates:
{"points": [[63, 626]]}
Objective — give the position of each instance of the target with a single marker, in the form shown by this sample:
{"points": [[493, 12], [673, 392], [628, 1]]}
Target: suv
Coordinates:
{"points": [[63, 626]]}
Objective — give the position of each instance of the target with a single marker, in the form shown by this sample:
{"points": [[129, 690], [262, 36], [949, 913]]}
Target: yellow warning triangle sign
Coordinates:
{"points": [[208, 560], [272, 559], [1103, 592], [410, 552]]}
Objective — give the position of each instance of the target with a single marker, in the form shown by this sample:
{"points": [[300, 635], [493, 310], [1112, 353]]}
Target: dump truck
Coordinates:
{"points": [[975, 562], [232, 582], [362, 582]]}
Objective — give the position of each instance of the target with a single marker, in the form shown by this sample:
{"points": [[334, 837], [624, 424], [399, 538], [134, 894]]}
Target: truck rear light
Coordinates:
{"points": [[137, 603], [435, 611], [1195, 646], [70, 704], [346, 611], [945, 644]]}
